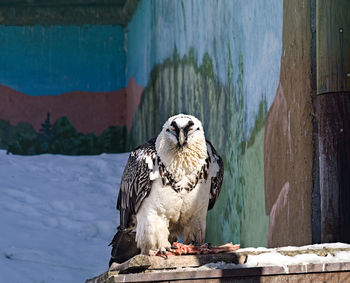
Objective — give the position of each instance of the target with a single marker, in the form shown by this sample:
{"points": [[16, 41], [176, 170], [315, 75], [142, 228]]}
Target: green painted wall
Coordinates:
{"points": [[180, 85]]}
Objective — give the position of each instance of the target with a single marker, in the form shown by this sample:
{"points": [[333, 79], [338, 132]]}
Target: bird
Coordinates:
{"points": [[168, 185]]}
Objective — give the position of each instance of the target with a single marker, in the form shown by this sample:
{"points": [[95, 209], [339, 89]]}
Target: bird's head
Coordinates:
{"points": [[181, 145], [181, 134], [182, 131]]}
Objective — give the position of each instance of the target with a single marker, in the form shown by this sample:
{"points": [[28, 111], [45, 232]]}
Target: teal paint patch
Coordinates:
{"points": [[180, 85], [139, 44], [51, 60]]}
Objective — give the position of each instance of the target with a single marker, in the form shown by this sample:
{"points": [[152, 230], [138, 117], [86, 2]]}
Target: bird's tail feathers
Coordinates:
{"points": [[123, 246]]}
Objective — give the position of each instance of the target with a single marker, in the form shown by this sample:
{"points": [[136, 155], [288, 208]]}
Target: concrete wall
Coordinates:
{"points": [[218, 60], [249, 70]]}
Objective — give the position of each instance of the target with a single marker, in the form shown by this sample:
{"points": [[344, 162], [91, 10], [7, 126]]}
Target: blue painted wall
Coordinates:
{"points": [[50, 60]]}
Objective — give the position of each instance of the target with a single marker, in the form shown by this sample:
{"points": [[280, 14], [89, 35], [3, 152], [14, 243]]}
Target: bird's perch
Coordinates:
{"points": [[146, 263], [142, 268], [182, 256], [143, 262]]}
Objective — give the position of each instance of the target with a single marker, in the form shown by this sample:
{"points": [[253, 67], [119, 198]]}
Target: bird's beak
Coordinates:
{"points": [[181, 139]]}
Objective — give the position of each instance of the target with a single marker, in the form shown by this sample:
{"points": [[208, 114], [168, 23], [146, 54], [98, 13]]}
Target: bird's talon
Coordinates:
{"points": [[171, 249], [163, 253]]}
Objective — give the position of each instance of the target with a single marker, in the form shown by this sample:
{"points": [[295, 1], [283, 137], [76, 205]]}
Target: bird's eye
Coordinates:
{"points": [[173, 129]]}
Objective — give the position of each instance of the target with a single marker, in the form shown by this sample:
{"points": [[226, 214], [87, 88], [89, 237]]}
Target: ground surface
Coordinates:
{"points": [[57, 216]]}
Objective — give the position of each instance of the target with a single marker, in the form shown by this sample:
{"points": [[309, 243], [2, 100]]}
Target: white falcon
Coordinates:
{"points": [[168, 185]]}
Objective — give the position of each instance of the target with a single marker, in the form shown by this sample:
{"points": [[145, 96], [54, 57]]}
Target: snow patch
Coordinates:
{"points": [[57, 215]]}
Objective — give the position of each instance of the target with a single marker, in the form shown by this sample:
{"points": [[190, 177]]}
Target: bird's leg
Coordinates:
{"points": [[152, 234], [165, 251], [194, 232]]}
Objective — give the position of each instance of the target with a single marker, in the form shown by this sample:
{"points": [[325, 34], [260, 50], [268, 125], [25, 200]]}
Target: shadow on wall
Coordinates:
{"points": [[59, 138]]}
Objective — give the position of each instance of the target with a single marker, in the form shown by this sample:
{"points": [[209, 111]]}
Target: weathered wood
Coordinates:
{"points": [[168, 269], [142, 262], [333, 45], [294, 273], [333, 119], [137, 263], [173, 262]]}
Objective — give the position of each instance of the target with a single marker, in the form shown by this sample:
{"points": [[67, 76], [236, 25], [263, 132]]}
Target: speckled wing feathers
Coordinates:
{"points": [[216, 181], [136, 183]]}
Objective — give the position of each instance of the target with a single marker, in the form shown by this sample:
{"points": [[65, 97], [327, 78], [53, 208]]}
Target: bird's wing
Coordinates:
{"points": [[217, 166], [136, 183]]}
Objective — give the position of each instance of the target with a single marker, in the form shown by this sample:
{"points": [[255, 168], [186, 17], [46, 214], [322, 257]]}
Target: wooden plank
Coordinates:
{"points": [[137, 263], [158, 268], [260, 274], [238, 273], [143, 262], [173, 262], [333, 45], [333, 120]]}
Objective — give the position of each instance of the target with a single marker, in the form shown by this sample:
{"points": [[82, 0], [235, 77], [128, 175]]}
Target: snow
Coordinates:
{"points": [[57, 215], [277, 259], [316, 246], [273, 257]]}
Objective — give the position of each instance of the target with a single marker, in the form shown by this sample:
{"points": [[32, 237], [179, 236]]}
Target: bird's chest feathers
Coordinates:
{"points": [[184, 170], [178, 205], [180, 182]]}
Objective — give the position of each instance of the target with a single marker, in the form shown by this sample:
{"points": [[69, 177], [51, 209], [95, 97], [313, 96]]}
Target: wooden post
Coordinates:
{"points": [[333, 118], [333, 45]]}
